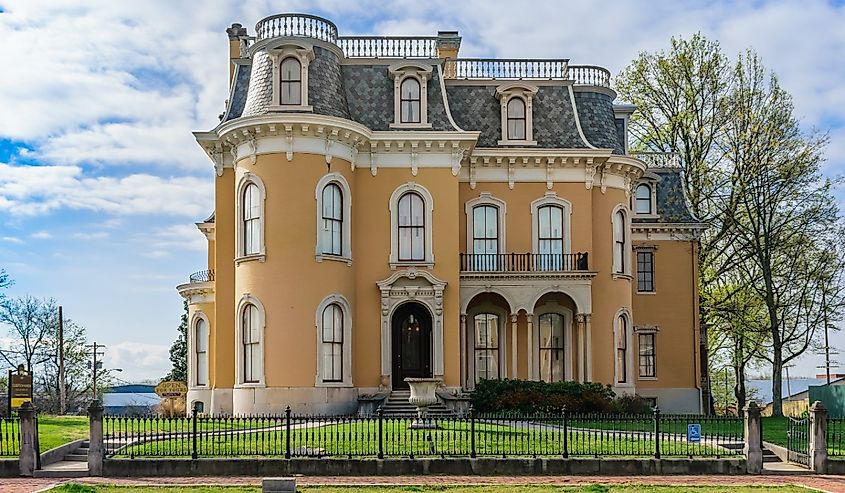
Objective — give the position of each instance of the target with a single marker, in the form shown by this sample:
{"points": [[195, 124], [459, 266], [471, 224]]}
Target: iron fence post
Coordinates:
{"points": [[565, 433], [287, 432], [194, 433], [380, 414], [472, 432], [656, 432]]}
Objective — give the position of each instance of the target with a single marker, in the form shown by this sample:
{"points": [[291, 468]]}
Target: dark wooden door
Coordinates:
{"points": [[411, 343]]}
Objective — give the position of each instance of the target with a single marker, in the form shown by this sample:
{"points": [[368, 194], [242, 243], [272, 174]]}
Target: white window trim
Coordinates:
{"points": [[526, 92], [428, 258], [626, 249], [304, 53], [636, 250], [192, 354], [486, 198], [345, 308], [240, 256], [504, 321], [551, 198], [239, 331], [346, 233], [652, 185], [629, 345], [399, 72], [569, 357], [647, 330]]}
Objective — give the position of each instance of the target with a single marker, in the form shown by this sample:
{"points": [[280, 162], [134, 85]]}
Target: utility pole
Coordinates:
{"points": [[97, 349], [62, 385]]}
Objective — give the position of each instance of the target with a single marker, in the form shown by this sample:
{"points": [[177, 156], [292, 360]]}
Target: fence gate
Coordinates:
{"points": [[798, 441]]}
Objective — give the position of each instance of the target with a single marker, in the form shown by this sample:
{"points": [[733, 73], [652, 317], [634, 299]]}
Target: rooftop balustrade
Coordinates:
{"points": [[202, 276], [388, 46], [302, 25], [658, 159]]}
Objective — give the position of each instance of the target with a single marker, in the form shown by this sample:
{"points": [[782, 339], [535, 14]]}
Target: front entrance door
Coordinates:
{"points": [[411, 335]]}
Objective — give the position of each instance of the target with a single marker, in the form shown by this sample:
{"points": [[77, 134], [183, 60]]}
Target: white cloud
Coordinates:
{"points": [[12, 239], [41, 235], [100, 235], [138, 358]]}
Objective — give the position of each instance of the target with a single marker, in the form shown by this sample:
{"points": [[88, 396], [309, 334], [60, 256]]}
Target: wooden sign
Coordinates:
{"points": [[171, 388], [20, 388]]}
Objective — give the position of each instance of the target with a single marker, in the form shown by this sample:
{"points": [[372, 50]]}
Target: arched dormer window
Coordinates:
{"points": [[642, 199], [517, 113], [334, 213], [516, 118], [411, 207], [290, 89], [410, 94], [250, 218], [409, 99]]}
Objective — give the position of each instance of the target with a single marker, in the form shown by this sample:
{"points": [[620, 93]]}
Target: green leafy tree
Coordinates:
{"points": [[179, 351]]}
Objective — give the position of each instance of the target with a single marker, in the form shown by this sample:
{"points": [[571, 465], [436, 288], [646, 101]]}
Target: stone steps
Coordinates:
{"points": [[397, 405]]}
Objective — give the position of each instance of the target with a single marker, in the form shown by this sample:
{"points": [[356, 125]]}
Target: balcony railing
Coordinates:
{"points": [[498, 69], [658, 159], [589, 75], [202, 276], [388, 46], [524, 262], [303, 25]]}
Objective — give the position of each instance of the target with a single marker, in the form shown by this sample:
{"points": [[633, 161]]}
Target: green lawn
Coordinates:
{"points": [[54, 431], [595, 488], [774, 429]]}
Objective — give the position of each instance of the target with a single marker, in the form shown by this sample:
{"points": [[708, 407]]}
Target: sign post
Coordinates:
{"points": [[171, 389], [694, 433], [20, 388]]}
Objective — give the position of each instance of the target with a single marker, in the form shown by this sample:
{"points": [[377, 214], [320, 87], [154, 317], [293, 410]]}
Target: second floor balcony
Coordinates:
{"points": [[525, 262]]}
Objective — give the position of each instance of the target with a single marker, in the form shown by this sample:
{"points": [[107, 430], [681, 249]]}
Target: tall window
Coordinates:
{"points": [[251, 339], [252, 219], [551, 347], [486, 346], [485, 237], [645, 272], [550, 238], [619, 242], [332, 350], [642, 199], [622, 350], [411, 227], [516, 119], [331, 233], [409, 99], [647, 354], [290, 92], [201, 351]]}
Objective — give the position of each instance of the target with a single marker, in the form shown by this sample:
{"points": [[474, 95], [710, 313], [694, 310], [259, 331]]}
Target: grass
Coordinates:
{"points": [[594, 488], [774, 429], [54, 431]]}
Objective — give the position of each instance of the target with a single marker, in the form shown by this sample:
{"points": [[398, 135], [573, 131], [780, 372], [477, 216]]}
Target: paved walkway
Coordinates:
{"points": [[833, 484]]}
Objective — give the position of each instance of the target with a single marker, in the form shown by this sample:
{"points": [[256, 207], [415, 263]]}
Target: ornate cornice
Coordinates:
{"points": [[197, 292]]}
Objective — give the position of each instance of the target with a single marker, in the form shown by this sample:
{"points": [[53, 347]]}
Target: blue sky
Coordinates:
{"points": [[101, 180]]}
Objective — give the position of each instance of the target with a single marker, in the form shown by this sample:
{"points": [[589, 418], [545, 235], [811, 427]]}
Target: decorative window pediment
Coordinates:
{"points": [[410, 94], [290, 89], [644, 198], [517, 102]]}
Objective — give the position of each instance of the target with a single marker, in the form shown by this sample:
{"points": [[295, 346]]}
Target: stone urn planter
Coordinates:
{"points": [[423, 396]]}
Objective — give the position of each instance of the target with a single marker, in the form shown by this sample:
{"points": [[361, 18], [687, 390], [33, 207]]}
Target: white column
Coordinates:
{"points": [[463, 350], [530, 346], [589, 346], [514, 318], [582, 347]]}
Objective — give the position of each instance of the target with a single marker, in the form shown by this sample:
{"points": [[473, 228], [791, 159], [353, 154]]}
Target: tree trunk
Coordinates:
{"points": [[777, 383]]}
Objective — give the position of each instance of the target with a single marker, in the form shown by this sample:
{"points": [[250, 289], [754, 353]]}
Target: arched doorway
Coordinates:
{"points": [[411, 336]]}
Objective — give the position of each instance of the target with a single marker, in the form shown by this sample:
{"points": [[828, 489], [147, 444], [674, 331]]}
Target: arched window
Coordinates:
{"points": [[642, 199], [409, 100], [486, 346], [251, 219], [332, 343], [551, 347], [619, 241], [201, 352], [622, 350], [411, 224], [485, 237], [251, 342], [516, 119], [331, 232], [290, 90], [549, 238]]}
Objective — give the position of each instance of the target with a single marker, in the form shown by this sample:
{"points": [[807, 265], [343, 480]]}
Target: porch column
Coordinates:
{"points": [[588, 328], [530, 346], [514, 318], [582, 347], [464, 350]]}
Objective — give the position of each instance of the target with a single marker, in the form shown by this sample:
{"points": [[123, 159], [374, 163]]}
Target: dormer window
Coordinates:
{"points": [[290, 90], [517, 113], [642, 199], [410, 99], [290, 76]]}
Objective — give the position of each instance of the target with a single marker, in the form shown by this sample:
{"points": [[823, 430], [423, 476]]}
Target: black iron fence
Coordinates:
{"points": [[524, 262], [798, 441], [289, 435], [10, 437], [836, 437]]}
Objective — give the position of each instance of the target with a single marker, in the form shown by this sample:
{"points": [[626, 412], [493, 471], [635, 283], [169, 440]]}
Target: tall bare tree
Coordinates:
{"points": [[30, 322]]}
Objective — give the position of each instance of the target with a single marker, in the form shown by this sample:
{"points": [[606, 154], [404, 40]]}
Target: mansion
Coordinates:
{"points": [[386, 209]]}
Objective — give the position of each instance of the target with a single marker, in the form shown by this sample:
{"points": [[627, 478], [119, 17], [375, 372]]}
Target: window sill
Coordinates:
{"points": [[290, 107], [622, 275], [333, 384], [646, 216], [647, 379], [334, 258], [250, 385], [420, 263], [199, 387], [251, 258], [418, 126], [517, 142], [647, 293]]}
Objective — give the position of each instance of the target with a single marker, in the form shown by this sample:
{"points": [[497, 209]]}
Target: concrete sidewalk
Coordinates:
{"points": [[833, 484]]}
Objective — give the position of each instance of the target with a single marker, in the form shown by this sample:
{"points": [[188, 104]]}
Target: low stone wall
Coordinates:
{"points": [[486, 466], [836, 466], [9, 468], [55, 455]]}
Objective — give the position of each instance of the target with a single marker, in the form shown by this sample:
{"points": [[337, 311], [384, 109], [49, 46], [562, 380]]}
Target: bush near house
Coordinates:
{"points": [[528, 396]]}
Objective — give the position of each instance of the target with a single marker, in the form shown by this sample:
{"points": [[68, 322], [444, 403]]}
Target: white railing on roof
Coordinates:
{"points": [[589, 75], [300, 25], [658, 159], [498, 69], [388, 46]]}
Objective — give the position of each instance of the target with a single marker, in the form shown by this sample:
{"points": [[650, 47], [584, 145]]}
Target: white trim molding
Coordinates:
{"points": [[486, 198], [422, 73], [628, 384], [240, 255], [346, 224], [248, 299], [650, 180], [303, 53], [192, 354], [551, 198], [345, 308], [525, 92], [428, 206]]}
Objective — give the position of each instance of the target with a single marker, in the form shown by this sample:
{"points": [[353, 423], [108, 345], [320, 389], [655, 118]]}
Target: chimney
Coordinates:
{"points": [[448, 44], [236, 33]]}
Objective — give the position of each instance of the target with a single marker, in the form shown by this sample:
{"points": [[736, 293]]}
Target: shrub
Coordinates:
{"points": [[528, 396], [631, 404]]}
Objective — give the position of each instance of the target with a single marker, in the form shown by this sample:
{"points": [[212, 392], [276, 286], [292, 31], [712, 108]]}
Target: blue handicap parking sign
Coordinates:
{"points": [[694, 433]]}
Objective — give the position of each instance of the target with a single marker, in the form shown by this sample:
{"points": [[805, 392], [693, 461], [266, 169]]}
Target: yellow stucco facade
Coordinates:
{"points": [[346, 249]]}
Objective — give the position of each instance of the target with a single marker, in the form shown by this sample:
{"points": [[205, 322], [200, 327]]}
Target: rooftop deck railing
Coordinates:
{"points": [[305, 25], [202, 276], [589, 75], [388, 46], [524, 262], [658, 159], [503, 69]]}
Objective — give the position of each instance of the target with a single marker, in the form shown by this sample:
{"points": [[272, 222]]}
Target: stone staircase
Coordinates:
{"points": [[72, 465], [397, 404]]}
